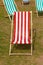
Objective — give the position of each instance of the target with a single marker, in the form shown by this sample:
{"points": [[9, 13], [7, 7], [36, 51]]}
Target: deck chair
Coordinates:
{"points": [[21, 30], [39, 6], [10, 7]]}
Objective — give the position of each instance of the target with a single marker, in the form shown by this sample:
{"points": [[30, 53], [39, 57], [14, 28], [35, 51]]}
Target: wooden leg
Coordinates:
{"points": [[10, 49], [31, 48], [37, 13]]}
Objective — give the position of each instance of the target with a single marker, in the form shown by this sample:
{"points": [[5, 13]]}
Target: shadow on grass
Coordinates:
{"points": [[22, 46], [34, 38], [40, 13], [26, 3]]}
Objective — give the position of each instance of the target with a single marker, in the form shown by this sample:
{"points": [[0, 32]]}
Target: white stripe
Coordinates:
{"points": [[19, 27], [16, 28], [23, 30], [26, 27]]}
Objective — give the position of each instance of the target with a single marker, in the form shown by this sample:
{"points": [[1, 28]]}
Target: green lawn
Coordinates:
{"points": [[37, 57]]}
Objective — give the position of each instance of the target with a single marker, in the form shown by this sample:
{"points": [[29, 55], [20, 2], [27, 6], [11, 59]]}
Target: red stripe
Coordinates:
{"points": [[14, 27], [25, 28], [29, 27], [21, 26], [18, 29]]}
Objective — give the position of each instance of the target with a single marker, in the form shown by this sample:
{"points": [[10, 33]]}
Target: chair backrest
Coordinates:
{"points": [[10, 6], [22, 28], [39, 5]]}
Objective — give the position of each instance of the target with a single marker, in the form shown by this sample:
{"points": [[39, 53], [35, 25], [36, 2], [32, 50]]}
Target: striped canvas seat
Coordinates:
{"points": [[39, 5], [21, 28], [10, 6]]}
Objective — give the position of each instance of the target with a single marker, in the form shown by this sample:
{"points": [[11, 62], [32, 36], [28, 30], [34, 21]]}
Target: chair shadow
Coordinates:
{"points": [[34, 38], [40, 13], [26, 3], [22, 46]]}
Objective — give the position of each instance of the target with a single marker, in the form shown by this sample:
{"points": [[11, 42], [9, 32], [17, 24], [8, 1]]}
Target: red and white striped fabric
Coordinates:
{"points": [[21, 28]]}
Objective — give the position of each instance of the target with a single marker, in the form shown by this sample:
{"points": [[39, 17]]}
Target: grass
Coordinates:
{"points": [[5, 59]]}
